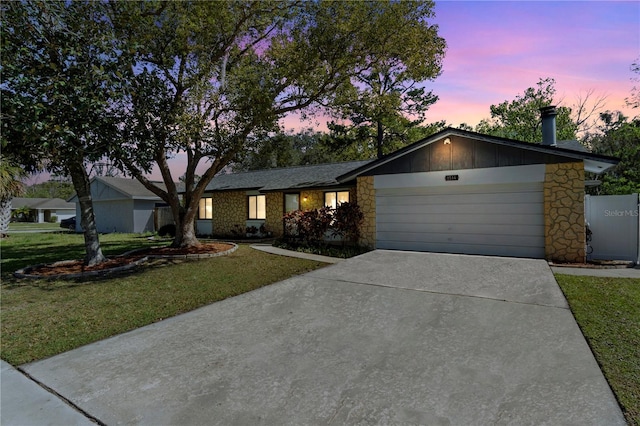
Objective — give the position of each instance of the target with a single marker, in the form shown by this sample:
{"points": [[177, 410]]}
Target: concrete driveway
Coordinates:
{"points": [[385, 338]]}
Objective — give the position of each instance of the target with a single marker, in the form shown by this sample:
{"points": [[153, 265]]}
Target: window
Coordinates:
{"points": [[333, 199], [257, 207], [205, 210], [291, 202]]}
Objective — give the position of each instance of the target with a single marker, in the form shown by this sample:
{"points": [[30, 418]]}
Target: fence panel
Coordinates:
{"points": [[162, 216], [614, 222]]}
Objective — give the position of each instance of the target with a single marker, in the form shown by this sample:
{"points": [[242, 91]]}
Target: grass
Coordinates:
{"points": [[23, 226], [608, 313], [39, 319]]}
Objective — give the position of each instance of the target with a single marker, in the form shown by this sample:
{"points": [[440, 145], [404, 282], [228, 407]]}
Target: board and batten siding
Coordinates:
{"points": [[493, 211]]}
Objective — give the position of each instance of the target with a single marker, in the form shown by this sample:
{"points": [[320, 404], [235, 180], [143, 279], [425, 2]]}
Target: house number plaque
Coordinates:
{"points": [[451, 177]]}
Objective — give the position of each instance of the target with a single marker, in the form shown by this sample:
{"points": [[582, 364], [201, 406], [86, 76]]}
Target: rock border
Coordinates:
{"points": [[24, 272]]}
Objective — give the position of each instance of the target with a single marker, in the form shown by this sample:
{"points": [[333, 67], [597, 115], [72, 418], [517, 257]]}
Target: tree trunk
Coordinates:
{"points": [[80, 179], [185, 232], [5, 216], [379, 139]]}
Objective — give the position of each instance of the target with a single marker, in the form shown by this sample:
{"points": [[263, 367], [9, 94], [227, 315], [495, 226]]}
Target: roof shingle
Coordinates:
{"points": [[312, 176]]}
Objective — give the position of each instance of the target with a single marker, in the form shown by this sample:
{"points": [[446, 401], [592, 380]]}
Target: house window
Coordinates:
{"points": [[291, 202], [333, 199], [205, 210], [257, 207]]}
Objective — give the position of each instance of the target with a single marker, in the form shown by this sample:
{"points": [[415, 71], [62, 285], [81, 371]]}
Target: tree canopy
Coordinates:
{"points": [[619, 137], [211, 79], [50, 189], [520, 118], [288, 149], [61, 82], [11, 185], [388, 98]]}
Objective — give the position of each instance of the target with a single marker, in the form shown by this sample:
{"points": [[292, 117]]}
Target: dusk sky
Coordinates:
{"points": [[497, 49]]}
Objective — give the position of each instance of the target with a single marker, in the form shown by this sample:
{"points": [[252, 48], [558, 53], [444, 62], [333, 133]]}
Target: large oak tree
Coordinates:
{"points": [[210, 78]]}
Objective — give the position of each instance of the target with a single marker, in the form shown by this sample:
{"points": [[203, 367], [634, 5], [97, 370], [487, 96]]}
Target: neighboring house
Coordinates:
{"points": [[43, 209], [455, 191], [121, 205]]}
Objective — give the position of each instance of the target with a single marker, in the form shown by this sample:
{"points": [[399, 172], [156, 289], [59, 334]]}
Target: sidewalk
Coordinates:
{"points": [[282, 252], [24, 402]]}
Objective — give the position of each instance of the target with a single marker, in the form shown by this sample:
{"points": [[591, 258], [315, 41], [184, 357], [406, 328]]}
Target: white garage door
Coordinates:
{"points": [[505, 219]]}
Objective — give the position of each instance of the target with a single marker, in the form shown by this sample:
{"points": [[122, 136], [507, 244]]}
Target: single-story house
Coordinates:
{"points": [[43, 209], [234, 202], [121, 205], [455, 191]]}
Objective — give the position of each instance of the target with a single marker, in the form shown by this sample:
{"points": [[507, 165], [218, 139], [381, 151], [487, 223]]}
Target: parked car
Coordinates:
{"points": [[68, 223]]}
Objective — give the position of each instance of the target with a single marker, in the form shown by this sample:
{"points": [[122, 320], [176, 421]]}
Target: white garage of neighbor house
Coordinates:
{"points": [[43, 209], [121, 205]]}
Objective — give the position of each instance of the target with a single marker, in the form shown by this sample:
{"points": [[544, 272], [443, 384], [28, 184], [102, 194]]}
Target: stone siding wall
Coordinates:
{"points": [[366, 196], [564, 212], [229, 212], [275, 211], [311, 199]]}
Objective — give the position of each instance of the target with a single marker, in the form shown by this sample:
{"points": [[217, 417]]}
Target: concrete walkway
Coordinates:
{"points": [[23, 402], [282, 252], [387, 337]]}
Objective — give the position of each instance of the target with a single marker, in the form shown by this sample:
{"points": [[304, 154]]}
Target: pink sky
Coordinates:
{"points": [[497, 49]]}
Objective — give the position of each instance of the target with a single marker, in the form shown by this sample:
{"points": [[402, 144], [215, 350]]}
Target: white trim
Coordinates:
{"points": [[596, 167], [491, 175]]}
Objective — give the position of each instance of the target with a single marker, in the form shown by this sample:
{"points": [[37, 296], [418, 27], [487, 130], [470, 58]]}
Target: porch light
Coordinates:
{"points": [[447, 141]]}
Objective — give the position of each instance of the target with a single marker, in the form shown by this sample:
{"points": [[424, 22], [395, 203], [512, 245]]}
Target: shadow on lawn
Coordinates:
{"points": [[18, 253]]}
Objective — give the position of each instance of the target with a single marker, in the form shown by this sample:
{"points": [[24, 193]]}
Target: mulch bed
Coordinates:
{"points": [[77, 266]]}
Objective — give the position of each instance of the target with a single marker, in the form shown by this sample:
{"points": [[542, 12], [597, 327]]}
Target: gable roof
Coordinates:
{"points": [[130, 188], [594, 163], [573, 145], [42, 203], [288, 178]]}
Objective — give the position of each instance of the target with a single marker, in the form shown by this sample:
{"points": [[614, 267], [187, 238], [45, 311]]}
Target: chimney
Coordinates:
{"points": [[548, 115]]}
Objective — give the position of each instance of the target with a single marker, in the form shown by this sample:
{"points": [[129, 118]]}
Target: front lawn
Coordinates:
{"points": [[608, 313], [33, 226], [39, 319], [20, 250]]}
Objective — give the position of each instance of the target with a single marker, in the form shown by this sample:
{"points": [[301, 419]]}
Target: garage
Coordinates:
{"points": [[482, 211], [468, 193]]}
